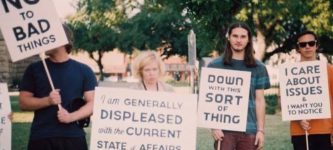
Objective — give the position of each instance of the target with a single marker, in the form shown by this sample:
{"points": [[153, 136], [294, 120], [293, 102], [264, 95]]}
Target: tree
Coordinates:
{"points": [[156, 25], [274, 22], [278, 22], [161, 23], [167, 23], [210, 21], [319, 18], [95, 28]]}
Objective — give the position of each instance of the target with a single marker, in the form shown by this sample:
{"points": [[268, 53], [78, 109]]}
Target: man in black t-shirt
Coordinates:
{"points": [[54, 125]]}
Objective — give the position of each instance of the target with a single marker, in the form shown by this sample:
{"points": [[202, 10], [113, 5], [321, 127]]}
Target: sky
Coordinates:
{"points": [[64, 7], [67, 7]]}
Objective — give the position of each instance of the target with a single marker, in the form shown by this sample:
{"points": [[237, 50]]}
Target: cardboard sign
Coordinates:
{"points": [[304, 91], [140, 120], [223, 99], [5, 123], [30, 27]]}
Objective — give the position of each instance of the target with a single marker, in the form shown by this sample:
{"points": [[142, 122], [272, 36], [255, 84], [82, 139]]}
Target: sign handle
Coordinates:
{"points": [[218, 144], [307, 139], [42, 57], [192, 79]]}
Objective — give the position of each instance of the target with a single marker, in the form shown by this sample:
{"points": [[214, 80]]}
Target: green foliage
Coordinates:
{"points": [[271, 104], [161, 23], [95, 25], [167, 23], [210, 20], [93, 38], [157, 25], [92, 6], [280, 21], [277, 21], [95, 28]]}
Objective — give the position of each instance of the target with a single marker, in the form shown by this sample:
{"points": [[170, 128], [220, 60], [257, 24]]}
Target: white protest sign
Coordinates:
{"points": [[5, 123], [30, 27], [304, 91], [223, 99], [140, 120]]}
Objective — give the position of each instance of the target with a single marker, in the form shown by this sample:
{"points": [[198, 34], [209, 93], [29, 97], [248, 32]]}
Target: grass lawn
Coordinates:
{"points": [[20, 134], [277, 132], [277, 135]]}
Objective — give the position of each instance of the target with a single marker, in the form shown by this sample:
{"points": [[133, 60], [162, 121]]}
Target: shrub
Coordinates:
{"points": [[271, 103]]}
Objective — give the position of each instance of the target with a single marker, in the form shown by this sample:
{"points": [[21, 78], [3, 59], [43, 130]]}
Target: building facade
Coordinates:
{"points": [[11, 73]]}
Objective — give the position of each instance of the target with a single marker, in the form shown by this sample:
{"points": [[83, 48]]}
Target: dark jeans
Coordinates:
{"points": [[237, 141], [316, 142], [59, 143]]}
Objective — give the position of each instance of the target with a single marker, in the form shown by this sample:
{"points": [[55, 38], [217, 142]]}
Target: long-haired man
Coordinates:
{"points": [[239, 55]]}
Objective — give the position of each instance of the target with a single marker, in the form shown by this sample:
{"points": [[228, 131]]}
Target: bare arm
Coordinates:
{"points": [[85, 111], [28, 102], [260, 109], [260, 113]]}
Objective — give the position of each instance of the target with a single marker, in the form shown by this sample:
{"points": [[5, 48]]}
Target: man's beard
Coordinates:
{"points": [[238, 50]]}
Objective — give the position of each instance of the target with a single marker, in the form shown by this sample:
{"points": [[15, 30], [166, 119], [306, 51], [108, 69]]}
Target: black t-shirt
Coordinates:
{"points": [[73, 79]]}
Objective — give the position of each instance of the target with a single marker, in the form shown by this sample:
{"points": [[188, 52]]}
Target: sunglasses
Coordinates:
{"points": [[303, 44]]}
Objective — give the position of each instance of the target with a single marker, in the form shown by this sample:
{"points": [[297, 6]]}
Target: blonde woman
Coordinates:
{"points": [[148, 67]]}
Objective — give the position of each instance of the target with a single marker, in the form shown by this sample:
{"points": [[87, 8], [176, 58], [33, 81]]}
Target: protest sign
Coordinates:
{"points": [[304, 91], [223, 99], [5, 123], [140, 120], [30, 27]]}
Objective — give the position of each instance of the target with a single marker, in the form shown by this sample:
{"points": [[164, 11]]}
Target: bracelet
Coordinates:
{"points": [[262, 131]]}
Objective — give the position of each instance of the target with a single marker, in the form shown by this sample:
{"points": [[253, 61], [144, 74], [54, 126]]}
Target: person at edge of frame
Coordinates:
{"points": [[320, 130]]}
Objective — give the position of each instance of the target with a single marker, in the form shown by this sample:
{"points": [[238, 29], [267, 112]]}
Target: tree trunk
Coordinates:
{"points": [[261, 45], [99, 63]]}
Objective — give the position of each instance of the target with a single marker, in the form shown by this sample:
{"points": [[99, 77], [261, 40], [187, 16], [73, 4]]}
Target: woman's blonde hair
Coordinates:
{"points": [[145, 58]]}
